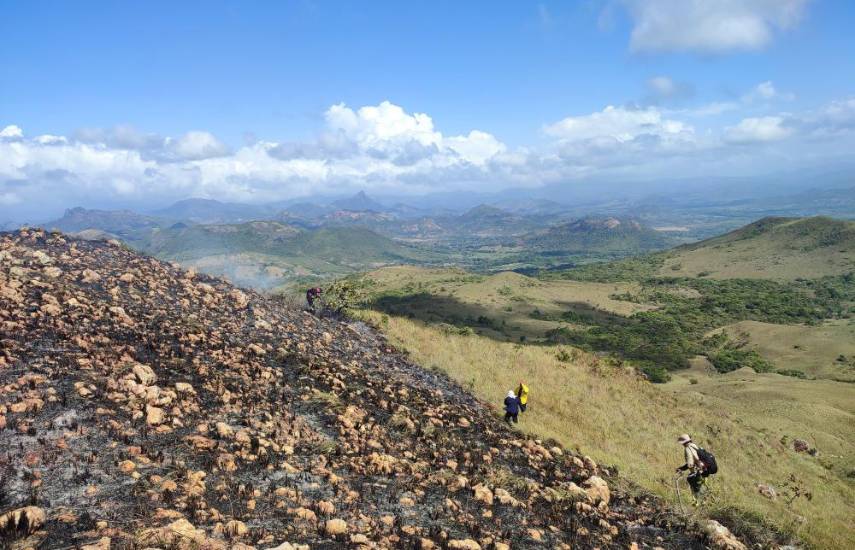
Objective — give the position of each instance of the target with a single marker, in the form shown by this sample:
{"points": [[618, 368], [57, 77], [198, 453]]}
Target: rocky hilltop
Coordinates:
{"points": [[142, 406]]}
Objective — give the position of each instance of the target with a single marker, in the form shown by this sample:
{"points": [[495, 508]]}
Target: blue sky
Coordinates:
{"points": [[260, 101]]}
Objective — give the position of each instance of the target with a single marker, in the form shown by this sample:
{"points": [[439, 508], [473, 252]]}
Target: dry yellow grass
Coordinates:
{"points": [[785, 250], [523, 306], [617, 418], [814, 350]]}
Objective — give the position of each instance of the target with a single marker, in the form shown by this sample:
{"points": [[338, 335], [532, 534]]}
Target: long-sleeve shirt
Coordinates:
{"points": [[693, 461], [522, 393], [512, 405]]}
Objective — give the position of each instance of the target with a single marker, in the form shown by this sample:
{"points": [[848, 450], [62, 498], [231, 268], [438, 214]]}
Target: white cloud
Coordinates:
{"points": [[387, 131], [196, 145], [383, 148], [620, 125], [766, 91], [48, 139], [11, 132], [712, 26], [758, 130]]}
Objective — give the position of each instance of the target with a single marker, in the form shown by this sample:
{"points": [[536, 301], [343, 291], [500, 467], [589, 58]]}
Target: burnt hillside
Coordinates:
{"points": [[144, 406]]}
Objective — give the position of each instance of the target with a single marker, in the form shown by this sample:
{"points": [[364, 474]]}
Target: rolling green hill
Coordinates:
{"points": [[747, 361], [601, 235], [771, 248], [266, 254]]}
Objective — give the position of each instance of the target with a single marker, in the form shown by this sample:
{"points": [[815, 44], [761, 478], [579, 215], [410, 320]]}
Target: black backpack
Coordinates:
{"points": [[710, 467]]}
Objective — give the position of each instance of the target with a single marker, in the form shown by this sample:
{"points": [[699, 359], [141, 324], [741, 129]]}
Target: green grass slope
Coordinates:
{"points": [[608, 235], [267, 254], [771, 248]]}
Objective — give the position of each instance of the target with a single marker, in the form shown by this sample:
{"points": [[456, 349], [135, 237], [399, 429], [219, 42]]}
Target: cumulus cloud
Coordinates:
{"points": [[11, 132], [709, 26], [384, 148], [619, 125], [758, 130], [195, 145]]}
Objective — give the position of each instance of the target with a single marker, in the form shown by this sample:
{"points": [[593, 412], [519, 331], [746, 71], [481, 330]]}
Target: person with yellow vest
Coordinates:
{"points": [[522, 395]]}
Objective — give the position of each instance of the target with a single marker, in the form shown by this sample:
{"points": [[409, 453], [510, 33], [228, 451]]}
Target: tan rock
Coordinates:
{"points": [[127, 466], [28, 519], [326, 508], [184, 387], [235, 528], [597, 490], [335, 527], [101, 544], [154, 415], [720, 536], [463, 544], [144, 374], [224, 430], [483, 493], [90, 276]]}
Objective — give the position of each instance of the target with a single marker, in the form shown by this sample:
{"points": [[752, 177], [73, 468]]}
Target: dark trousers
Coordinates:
{"points": [[522, 407], [511, 416], [696, 481]]}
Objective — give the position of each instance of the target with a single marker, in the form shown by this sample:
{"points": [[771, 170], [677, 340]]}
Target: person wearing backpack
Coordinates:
{"points": [[512, 407], [699, 462]]}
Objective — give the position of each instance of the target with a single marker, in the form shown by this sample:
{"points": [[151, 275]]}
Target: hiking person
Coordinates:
{"points": [[522, 395], [700, 464], [311, 295], [512, 407]]}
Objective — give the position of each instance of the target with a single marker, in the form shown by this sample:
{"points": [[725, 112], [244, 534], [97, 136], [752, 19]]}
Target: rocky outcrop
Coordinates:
{"points": [[143, 406]]}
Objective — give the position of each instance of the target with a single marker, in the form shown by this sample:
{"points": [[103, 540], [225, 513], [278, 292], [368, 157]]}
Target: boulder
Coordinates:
{"points": [[720, 536], [597, 490], [335, 527], [144, 374], [153, 415], [463, 544]]}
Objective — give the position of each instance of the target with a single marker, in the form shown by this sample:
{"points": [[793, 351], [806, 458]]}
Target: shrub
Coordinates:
{"points": [[730, 359], [656, 374], [564, 356]]}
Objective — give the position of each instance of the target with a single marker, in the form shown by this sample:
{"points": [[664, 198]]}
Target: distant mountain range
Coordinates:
{"points": [[343, 235], [210, 211]]}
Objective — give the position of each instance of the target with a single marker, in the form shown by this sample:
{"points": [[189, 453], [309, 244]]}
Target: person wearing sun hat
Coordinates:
{"points": [[693, 464]]}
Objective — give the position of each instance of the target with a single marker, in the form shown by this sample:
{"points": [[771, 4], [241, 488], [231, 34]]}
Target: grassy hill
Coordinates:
{"points": [[749, 420], [602, 235], [772, 248], [265, 254], [125, 224], [746, 364]]}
